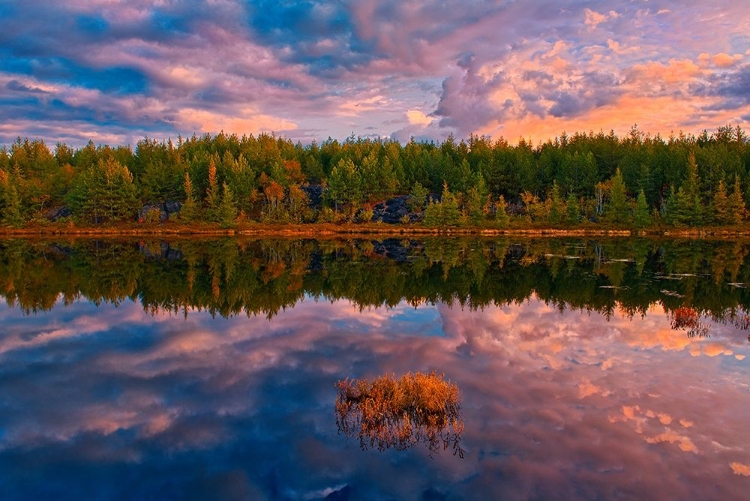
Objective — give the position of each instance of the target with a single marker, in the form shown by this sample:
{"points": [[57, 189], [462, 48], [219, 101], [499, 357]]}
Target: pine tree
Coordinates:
{"points": [[617, 210], [12, 215], [449, 205], [189, 209], [418, 197], [737, 207], [642, 218], [213, 198], [557, 208], [433, 214], [474, 206], [720, 205], [227, 211], [573, 213], [501, 215]]}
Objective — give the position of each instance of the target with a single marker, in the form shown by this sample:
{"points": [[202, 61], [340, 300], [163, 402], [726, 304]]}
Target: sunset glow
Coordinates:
{"points": [[116, 71]]}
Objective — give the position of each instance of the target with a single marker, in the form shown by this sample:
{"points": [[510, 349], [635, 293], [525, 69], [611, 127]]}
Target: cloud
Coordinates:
{"points": [[417, 117], [476, 67]]}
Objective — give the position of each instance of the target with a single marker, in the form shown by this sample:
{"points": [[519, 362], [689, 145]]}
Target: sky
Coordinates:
{"points": [[114, 71]]}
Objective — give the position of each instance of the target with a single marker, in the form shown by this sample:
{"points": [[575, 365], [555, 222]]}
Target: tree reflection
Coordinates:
{"points": [[399, 413], [688, 319], [232, 276]]}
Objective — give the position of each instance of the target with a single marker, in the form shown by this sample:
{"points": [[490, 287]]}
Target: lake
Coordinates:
{"points": [[208, 369]]}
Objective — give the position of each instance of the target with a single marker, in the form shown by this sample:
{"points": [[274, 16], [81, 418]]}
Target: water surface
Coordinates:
{"points": [[207, 369]]}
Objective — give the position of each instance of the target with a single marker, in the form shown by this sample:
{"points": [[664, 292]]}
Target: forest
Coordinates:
{"points": [[585, 179]]}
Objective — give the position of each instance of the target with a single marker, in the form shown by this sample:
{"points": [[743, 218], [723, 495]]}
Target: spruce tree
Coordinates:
{"points": [[501, 216], [227, 211], [189, 209], [572, 211], [433, 214], [737, 207], [213, 198], [474, 206], [556, 204], [451, 215], [641, 218], [720, 206], [12, 215], [418, 197], [617, 210]]}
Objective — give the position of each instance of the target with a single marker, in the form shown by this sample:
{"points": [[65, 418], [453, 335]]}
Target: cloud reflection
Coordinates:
{"points": [[555, 404]]}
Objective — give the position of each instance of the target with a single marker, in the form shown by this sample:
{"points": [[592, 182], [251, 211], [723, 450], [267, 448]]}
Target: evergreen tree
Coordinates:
{"points": [[617, 210], [12, 214], [573, 212], [556, 206], [474, 211], [189, 209], [344, 184], [105, 190], [449, 205], [642, 217], [418, 197], [685, 205], [433, 214], [737, 207], [720, 206], [501, 214], [213, 197], [227, 207]]}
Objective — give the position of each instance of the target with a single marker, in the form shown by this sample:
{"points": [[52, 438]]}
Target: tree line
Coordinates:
{"points": [[636, 180]]}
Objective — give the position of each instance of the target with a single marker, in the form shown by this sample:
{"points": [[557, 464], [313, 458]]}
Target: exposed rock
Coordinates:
{"points": [[146, 209], [58, 213], [165, 209], [172, 207], [314, 193], [393, 210]]}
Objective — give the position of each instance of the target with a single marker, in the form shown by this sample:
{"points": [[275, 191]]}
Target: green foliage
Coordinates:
{"points": [[737, 206], [189, 209], [720, 206], [104, 192], [618, 209], [572, 209], [213, 197], [501, 215], [227, 210], [556, 206], [641, 216], [418, 197], [443, 213], [451, 215], [12, 215], [474, 206], [687, 177], [344, 185]]}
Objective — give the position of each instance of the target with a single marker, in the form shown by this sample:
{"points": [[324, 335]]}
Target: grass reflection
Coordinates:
{"points": [[399, 413]]}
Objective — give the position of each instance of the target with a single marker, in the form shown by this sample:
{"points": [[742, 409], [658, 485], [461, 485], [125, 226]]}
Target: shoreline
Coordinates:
{"points": [[315, 230]]}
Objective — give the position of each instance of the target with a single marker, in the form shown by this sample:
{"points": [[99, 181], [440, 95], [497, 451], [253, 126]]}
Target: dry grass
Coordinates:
{"points": [[399, 413]]}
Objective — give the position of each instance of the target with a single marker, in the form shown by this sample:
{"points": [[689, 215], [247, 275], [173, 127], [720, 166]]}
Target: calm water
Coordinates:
{"points": [[207, 369]]}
